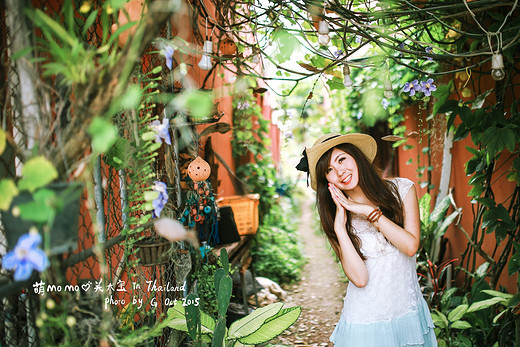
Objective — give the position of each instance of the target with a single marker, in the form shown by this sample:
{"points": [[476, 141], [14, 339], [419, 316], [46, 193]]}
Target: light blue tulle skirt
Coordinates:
{"points": [[411, 329]]}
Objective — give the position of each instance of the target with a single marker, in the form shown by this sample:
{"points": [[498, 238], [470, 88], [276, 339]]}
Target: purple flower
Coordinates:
{"points": [[339, 53], [26, 257], [161, 130], [385, 103], [167, 52], [243, 105], [358, 39], [412, 87], [161, 200], [428, 87], [429, 50]]}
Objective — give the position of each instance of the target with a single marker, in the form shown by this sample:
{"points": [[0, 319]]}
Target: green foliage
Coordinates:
{"points": [[250, 129], [277, 248], [260, 177], [261, 326], [478, 318], [37, 173], [207, 276], [434, 224]]}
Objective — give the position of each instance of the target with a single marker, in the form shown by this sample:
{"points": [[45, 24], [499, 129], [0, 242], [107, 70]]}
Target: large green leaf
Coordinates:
{"points": [[442, 94], [8, 191], [424, 208], [457, 313], [178, 320], [250, 323], [440, 209], [193, 317], [274, 326], [37, 173], [42, 209], [219, 334], [286, 44], [514, 264], [498, 294], [224, 295], [103, 134], [446, 223], [461, 324], [480, 305], [439, 319], [224, 259]]}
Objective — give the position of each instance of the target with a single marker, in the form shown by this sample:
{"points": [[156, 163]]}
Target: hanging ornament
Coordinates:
{"points": [[347, 81], [228, 47], [199, 170], [497, 67]]}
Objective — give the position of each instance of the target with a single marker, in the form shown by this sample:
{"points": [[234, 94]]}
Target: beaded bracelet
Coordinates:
{"points": [[374, 215]]}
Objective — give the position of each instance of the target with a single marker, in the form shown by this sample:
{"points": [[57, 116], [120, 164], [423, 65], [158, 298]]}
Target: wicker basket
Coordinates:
{"points": [[245, 211], [152, 251]]}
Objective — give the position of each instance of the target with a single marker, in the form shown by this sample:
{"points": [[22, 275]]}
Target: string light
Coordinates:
{"points": [[205, 63], [497, 67], [347, 81], [323, 33], [387, 88]]}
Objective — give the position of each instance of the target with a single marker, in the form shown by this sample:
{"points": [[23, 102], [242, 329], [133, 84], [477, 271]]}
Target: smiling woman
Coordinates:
{"points": [[373, 226]]}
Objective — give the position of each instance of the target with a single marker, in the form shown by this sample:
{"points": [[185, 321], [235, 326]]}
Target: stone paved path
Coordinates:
{"points": [[320, 292]]}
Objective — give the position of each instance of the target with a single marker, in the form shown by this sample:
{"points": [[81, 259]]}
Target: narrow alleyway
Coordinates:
{"points": [[320, 292]]}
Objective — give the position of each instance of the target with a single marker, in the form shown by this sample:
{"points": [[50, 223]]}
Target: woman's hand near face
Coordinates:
{"points": [[341, 213], [348, 204], [353, 266]]}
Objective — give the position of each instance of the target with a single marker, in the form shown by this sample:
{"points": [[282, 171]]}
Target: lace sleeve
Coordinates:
{"points": [[403, 185]]}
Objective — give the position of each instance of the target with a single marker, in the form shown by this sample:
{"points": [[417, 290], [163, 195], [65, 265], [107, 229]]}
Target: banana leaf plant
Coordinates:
{"points": [[261, 326]]}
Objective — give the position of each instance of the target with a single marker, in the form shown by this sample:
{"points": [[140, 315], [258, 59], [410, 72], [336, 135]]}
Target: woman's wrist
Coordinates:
{"points": [[374, 215]]}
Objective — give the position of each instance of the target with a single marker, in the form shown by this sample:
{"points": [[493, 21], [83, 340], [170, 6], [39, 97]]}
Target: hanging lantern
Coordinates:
{"points": [[199, 170], [497, 67], [228, 47]]}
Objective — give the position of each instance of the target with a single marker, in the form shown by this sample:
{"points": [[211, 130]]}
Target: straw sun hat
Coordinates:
{"points": [[365, 143]]}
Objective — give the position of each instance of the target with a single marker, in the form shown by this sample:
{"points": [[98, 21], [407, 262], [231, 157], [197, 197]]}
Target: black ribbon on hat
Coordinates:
{"points": [[303, 165]]}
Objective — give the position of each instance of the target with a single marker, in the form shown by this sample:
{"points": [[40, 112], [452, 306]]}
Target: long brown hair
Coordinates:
{"points": [[382, 193]]}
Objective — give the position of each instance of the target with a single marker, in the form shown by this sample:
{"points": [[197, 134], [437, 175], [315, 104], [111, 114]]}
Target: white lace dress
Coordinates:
{"points": [[390, 310]]}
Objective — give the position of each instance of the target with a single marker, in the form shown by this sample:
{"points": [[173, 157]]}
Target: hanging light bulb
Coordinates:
{"points": [[497, 67], [205, 63], [347, 81], [388, 92], [323, 33]]}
